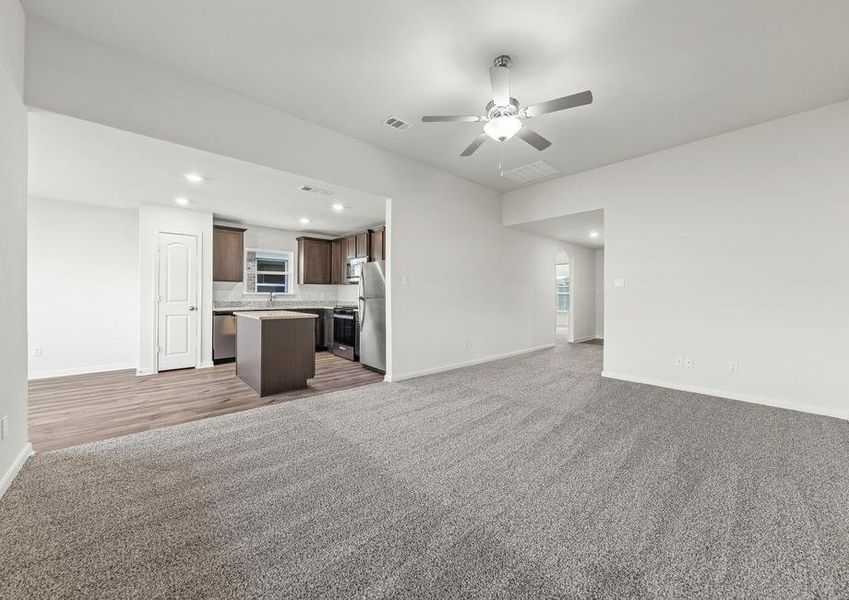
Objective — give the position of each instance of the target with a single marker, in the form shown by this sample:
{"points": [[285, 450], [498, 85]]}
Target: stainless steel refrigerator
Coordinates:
{"points": [[373, 315]]}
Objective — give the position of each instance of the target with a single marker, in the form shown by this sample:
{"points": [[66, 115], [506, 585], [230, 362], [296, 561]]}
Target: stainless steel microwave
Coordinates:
{"points": [[353, 268]]}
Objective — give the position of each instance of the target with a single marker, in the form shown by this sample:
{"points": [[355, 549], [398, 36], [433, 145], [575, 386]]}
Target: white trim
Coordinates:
{"points": [[15, 468], [145, 372], [205, 365], [797, 406], [83, 370], [586, 338], [470, 363]]}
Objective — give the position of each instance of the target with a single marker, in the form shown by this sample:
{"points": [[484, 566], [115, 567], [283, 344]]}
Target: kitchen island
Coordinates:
{"points": [[275, 350]]}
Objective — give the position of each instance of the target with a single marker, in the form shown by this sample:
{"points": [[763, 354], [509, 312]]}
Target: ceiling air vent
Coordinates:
{"points": [[315, 190], [536, 170], [397, 124]]}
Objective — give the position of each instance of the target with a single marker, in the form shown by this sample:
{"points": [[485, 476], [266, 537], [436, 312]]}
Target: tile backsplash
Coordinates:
{"points": [[225, 291]]}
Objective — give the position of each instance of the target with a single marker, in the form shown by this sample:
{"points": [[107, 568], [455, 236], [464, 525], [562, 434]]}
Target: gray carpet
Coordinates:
{"points": [[530, 477]]}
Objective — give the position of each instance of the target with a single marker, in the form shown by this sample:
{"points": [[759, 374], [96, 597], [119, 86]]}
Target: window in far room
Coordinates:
{"points": [[562, 289], [268, 271]]}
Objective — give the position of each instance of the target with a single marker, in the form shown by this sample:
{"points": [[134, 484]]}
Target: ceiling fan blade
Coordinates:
{"points": [[499, 77], [533, 138], [543, 108], [476, 143], [451, 118]]}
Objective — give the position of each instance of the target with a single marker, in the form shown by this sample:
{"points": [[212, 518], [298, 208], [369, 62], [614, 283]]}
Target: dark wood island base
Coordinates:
{"points": [[275, 350]]}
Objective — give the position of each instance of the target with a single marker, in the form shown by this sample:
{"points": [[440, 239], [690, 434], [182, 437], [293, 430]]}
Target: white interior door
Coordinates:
{"points": [[178, 307]]}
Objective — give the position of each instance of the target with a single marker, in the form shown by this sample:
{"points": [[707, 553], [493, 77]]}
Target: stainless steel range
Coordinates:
{"points": [[346, 332]]}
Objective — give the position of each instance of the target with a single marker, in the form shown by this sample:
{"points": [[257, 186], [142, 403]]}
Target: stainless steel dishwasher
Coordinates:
{"points": [[223, 337]]}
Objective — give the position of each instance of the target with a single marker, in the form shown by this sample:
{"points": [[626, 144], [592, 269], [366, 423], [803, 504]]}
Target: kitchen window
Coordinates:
{"points": [[268, 271]]}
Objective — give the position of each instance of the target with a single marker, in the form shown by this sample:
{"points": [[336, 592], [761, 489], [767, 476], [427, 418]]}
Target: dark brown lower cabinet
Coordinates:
{"points": [[275, 353]]}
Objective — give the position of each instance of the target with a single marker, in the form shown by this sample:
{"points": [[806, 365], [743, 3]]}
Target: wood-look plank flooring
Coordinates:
{"points": [[66, 411]]}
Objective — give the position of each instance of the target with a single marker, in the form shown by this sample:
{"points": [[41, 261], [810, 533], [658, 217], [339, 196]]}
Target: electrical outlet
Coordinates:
{"points": [[619, 282], [405, 280], [733, 368], [689, 362], [37, 351], [465, 344], [4, 425], [679, 361]]}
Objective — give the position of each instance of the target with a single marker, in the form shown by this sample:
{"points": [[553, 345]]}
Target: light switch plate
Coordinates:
{"points": [[619, 282]]}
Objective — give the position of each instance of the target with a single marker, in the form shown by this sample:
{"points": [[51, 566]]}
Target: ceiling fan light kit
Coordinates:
{"points": [[503, 128], [503, 115]]}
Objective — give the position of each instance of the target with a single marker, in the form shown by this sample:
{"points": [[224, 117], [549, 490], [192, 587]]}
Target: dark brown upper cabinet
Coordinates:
{"points": [[338, 256], [228, 253], [351, 246], [362, 244], [377, 244], [314, 261]]}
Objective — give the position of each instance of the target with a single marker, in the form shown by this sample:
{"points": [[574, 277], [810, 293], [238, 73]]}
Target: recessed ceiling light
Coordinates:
{"points": [[593, 234], [304, 220], [181, 200], [338, 207], [193, 177]]}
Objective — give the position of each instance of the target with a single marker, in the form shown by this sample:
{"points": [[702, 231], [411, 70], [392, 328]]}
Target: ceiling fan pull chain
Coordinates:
{"points": [[501, 160]]}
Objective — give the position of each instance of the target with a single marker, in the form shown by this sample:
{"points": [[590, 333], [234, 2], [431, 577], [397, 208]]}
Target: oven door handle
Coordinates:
{"points": [[345, 317]]}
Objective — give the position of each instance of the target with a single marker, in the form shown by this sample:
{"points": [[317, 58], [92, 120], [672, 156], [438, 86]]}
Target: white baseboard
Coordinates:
{"points": [[15, 468], [395, 378], [82, 370], [145, 372], [586, 338], [797, 406], [205, 365]]}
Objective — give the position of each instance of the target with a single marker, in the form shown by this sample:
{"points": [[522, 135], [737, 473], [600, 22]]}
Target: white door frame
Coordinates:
{"points": [[198, 321]]}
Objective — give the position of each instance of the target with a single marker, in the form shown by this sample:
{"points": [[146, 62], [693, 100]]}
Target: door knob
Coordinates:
{"points": [[193, 308]]}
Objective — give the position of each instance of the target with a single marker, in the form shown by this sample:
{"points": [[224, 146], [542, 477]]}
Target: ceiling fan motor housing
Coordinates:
{"points": [[502, 61], [493, 111]]}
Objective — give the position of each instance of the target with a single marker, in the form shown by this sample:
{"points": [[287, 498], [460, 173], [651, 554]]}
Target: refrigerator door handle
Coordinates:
{"points": [[361, 308]]}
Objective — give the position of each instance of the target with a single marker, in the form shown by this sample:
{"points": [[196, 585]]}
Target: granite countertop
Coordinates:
{"points": [[243, 307], [263, 315]]}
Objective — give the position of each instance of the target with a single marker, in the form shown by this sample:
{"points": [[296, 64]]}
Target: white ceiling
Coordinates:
{"points": [[75, 160], [575, 228], [663, 72]]}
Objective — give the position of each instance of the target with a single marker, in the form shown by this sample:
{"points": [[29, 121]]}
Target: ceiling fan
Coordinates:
{"points": [[502, 114]]}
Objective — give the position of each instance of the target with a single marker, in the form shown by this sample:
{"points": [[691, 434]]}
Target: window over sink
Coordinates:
{"points": [[268, 271]]}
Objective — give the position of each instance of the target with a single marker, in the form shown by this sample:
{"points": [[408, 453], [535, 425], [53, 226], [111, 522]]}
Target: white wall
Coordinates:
{"points": [[582, 289], [154, 219], [83, 288], [266, 238], [464, 271], [734, 248], [599, 293], [13, 245]]}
